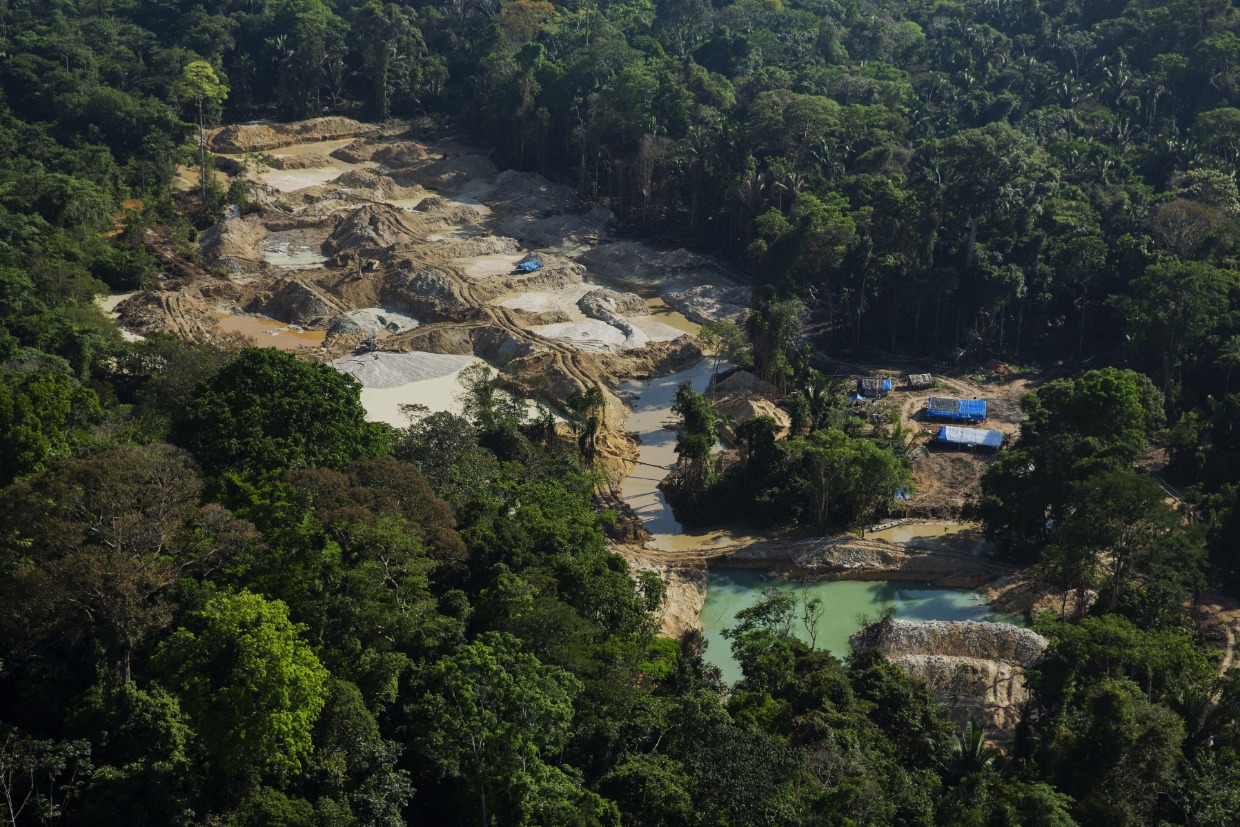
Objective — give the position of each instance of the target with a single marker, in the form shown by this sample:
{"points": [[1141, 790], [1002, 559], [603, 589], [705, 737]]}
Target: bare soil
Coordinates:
{"points": [[945, 479]]}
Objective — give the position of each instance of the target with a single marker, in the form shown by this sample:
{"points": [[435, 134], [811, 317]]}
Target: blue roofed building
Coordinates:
{"points": [[956, 410], [962, 437]]}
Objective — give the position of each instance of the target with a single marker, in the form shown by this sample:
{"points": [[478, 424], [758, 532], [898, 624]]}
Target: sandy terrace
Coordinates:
{"points": [[366, 237]]}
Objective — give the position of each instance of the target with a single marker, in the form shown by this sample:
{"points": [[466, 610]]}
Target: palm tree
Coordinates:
{"points": [[1229, 357], [588, 412], [969, 753]]}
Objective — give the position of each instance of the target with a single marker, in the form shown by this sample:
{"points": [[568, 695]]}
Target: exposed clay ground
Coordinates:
{"points": [[368, 239]]}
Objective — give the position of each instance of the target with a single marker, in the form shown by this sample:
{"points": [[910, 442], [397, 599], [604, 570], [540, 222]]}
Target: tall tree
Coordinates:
{"points": [[252, 687], [989, 171], [200, 85], [494, 718], [267, 411]]}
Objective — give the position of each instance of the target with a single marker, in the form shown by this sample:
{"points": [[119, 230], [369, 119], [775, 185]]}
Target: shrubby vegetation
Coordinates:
{"points": [[212, 612]]}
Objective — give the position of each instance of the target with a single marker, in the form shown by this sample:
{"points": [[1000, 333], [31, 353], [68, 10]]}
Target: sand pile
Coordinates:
{"points": [[347, 188], [494, 245], [740, 409], [601, 303], [743, 381], [391, 153], [391, 370], [559, 231], [233, 244], [960, 638], [634, 260], [375, 227], [527, 193], [542, 304], [977, 670], [448, 173], [590, 335], [553, 277], [370, 321], [428, 293], [308, 160], [986, 692], [449, 210], [549, 306], [256, 137], [399, 153], [298, 302], [706, 303], [435, 203]]}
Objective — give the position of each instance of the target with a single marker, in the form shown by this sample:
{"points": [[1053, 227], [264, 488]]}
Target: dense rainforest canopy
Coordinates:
{"points": [[214, 613]]}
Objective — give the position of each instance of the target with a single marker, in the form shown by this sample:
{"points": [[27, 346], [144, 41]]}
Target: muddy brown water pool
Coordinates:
{"points": [[267, 332]]}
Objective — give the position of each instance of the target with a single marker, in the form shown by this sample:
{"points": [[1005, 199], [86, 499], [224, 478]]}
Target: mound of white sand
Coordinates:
{"points": [[590, 335], [557, 301], [390, 370]]}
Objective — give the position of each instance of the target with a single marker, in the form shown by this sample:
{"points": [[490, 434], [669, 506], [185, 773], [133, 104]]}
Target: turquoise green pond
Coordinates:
{"points": [[845, 601]]}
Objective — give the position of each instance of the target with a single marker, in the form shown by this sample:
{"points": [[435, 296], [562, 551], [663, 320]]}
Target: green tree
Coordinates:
{"points": [[989, 171], [1119, 520], [827, 462], [494, 718], [588, 415], [43, 416], [1114, 752], [1173, 308], [38, 777], [267, 411], [726, 342], [1074, 428], [199, 84], [651, 791], [93, 548], [251, 686], [699, 431], [384, 33]]}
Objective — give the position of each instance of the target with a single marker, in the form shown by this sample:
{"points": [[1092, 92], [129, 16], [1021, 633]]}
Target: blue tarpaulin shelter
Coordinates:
{"points": [[876, 387], [529, 266], [971, 437], [960, 410]]}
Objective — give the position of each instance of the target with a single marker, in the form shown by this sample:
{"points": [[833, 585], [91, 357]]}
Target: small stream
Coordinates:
{"points": [[652, 413]]}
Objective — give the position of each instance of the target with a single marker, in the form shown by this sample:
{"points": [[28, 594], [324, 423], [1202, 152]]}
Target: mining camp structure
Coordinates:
{"points": [[873, 387], [971, 438], [956, 410]]}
